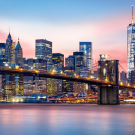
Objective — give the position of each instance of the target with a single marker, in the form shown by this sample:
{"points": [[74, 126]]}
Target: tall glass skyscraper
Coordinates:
{"points": [[44, 50], [86, 48], [130, 47]]}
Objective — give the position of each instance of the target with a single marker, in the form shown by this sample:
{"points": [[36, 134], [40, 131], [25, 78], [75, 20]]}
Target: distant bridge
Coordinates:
{"points": [[108, 89]]}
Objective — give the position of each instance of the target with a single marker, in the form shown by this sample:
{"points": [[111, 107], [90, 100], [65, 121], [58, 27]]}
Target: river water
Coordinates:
{"points": [[43, 119]]}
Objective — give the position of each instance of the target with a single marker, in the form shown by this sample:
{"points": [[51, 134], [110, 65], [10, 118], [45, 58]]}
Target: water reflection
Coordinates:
{"points": [[68, 120]]}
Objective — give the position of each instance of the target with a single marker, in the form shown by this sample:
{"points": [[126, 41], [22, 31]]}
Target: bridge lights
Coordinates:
{"points": [[121, 83], [36, 71], [21, 69], [17, 67], [91, 76]]}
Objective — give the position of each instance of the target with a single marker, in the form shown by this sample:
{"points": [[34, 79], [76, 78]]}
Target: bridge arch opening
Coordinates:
{"points": [[104, 73]]}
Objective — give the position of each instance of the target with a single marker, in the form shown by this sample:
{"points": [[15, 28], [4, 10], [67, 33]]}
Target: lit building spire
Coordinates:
{"points": [[132, 15]]}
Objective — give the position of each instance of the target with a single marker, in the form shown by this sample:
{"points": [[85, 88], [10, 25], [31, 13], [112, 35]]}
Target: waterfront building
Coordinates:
{"points": [[70, 61], [67, 86], [8, 48], [79, 87], [86, 48], [130, 47], [44, 50], [80, 60], [54, 86], [31, 84], [18, 54], [8, 87]]}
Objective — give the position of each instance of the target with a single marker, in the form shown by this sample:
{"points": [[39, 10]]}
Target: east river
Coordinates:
{"points": [[53, 119]]}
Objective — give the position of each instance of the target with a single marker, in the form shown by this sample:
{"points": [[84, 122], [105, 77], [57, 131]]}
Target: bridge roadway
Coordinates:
{"points": [[92, 81]]}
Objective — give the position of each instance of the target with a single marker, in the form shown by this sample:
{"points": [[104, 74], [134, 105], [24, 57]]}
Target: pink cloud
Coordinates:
{"points": [[3, 36]]}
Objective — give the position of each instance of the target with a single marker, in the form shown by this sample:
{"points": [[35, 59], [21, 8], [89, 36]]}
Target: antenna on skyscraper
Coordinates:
{"points": [[9, 29], [132, 15]]}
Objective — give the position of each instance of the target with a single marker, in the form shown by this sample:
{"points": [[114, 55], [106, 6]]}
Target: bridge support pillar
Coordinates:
{"points": [[108, 95]]}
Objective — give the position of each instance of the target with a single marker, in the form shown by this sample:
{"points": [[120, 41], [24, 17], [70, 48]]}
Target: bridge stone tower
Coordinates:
{"points": [[108, 71]]}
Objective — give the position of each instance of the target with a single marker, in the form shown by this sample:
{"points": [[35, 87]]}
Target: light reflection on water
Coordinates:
{"points": [[68, 120]]}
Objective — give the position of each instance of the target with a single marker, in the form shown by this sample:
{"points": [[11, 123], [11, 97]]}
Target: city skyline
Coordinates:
{"points": [[104, 29]]}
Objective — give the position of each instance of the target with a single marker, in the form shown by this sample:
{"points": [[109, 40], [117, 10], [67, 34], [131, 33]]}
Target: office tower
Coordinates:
{"points": [[70, 61], [31, 84], [54, 86], [130, 47], [80, 60], [2, 54], [58, 59], [18, 54], [37, 64], [44, 50], [8, 48], [86, 48], [67, 86]]}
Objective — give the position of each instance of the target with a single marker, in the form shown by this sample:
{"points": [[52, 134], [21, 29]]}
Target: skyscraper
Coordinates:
{"points": [[8, 48], [58, 58], [130, 46], [86, 48], [44, 50], [80, 60], [2, 53], [70, 61], [18, 54]]}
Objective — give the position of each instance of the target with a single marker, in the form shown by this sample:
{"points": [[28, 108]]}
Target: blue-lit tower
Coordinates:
{"points": [[86, 48], [130, 47]]}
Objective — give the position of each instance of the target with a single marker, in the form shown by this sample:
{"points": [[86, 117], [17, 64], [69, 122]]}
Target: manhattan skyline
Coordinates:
{"points": [[102, 23]]}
